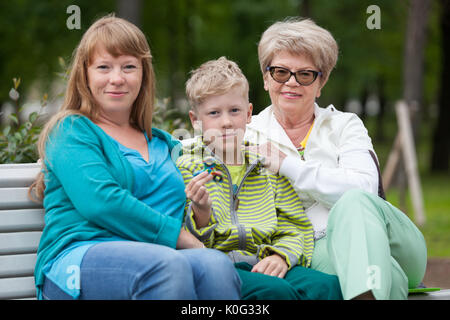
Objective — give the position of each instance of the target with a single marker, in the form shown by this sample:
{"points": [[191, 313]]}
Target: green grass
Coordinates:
{"points": [[435, 188]]}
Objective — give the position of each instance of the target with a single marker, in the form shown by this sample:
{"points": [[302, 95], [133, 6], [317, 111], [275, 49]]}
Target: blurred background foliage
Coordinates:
{"points": [[37, 46], [185, 33]]}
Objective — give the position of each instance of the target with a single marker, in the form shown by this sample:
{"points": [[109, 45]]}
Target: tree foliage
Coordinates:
{"points": [[185, 33], [18, 140]]}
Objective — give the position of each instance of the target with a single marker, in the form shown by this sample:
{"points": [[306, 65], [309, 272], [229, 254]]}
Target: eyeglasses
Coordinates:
{"points": [[303, 77]]}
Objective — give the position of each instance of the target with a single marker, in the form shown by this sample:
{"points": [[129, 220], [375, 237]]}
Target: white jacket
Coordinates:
{"points": [[336, 155]]}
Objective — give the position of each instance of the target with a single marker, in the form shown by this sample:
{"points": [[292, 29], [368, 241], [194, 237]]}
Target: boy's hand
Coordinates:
{"points": [[273, 265], [201, 202]]}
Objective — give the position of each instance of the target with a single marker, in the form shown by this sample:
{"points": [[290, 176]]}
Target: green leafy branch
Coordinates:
{"points": [[18, 140], [168, 117]]}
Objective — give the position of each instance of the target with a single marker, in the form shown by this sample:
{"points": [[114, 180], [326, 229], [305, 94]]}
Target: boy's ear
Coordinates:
{"points": [[194, 120], [249, 113]]}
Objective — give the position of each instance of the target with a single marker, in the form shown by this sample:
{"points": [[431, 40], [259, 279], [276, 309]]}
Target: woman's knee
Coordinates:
{"points": [[171, 279], [354, 202], [222, 264], [217, 261], [355, 196], [137, 270], [205, 261], [151, 258], [214, 274]]}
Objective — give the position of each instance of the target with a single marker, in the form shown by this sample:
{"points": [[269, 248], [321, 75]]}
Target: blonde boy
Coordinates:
{"points": [[251, 214]]}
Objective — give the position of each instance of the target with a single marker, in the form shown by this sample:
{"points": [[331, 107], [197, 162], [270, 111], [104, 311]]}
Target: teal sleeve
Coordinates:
{"points": [[81, 160]]}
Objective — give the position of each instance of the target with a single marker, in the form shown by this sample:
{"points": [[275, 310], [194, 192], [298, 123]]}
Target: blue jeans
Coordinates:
{"points": [[124, 270]]}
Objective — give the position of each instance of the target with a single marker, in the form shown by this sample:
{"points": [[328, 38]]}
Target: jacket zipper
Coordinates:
{"points": [[234, 217], [235, 201]]}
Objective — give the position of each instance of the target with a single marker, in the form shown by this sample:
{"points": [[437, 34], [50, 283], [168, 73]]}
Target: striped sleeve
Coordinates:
{"points": [[294, 236], [187, 166]]}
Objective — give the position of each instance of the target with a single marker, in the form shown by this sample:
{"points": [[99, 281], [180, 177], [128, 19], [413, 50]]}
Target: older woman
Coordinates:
{"points": [[113, 197], [374, 249]]}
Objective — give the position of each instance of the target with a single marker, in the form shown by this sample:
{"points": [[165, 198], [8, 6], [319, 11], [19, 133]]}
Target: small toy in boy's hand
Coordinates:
{"points": [[210, 165]]}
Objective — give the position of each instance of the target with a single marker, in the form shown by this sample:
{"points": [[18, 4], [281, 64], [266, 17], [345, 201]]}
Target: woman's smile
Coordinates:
{"points": [[116, 94], [291, 95]]}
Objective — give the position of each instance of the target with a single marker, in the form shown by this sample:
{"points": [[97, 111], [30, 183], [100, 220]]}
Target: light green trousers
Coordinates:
{"points": [[371, 245]]}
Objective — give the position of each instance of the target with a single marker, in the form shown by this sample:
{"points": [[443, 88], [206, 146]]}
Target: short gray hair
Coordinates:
{"points": [[299, 36]]}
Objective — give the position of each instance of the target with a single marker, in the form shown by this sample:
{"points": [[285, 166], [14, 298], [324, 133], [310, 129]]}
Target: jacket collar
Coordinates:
{"points": [[198, 147], [266, 124]]}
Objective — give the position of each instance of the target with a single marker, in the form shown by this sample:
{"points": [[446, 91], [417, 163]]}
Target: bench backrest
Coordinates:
{"points": [[21, 224]]}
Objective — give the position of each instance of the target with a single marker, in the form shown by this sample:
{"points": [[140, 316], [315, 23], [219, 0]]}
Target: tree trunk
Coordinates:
{"points": [[380, 134], [173, 15], [416, 37], [441, 135], [130, 10], [413, 75]]}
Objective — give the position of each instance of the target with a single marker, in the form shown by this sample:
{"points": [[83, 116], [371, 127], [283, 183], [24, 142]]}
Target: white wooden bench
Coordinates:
{"points": [[21, 224]]}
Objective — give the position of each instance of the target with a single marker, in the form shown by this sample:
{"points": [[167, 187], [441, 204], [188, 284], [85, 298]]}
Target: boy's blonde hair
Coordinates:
{"points": [[212, 78]]}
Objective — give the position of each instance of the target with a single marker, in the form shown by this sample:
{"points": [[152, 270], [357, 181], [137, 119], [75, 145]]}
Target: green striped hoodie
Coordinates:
{"points": [[264, 215]]}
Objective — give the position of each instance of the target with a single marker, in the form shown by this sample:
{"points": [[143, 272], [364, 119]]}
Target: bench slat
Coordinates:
{"points": [[21, 220], [19, 242], [17, 288], [16, 198], [17, 265], [18, 175]]}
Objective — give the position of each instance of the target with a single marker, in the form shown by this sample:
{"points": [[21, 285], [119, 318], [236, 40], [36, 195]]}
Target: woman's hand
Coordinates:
{"points": [[199, 195], [187, 240], [273, 265], [273, 157]]}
